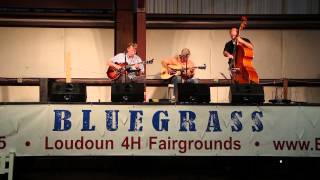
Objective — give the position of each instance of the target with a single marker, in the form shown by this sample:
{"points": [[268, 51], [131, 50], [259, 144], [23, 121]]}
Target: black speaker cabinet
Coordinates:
{"points": [[66, 92], [127, 92], [246, 94], [190, 92]]}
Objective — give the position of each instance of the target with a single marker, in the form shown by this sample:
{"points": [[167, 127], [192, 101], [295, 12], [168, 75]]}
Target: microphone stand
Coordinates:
{"points": [[186, 67], [181, 73], [233, 62], [125, 70], [126, 86]]}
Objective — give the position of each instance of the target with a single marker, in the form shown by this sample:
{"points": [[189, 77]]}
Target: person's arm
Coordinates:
{"points": [[165, 63], [248, 44], [112, 61], [227, 54], [227, 49]]}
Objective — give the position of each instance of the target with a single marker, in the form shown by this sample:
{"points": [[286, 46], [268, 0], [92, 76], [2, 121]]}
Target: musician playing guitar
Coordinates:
{"points": [[179, 69], [135, 68]]}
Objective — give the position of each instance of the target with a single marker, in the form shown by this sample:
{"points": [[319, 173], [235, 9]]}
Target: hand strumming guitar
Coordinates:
{"points": [[171, 71], [116, 66], [137, 66]]}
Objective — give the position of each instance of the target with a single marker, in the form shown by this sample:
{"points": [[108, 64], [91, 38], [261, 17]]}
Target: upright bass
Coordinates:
{"points": [[242, 68]]}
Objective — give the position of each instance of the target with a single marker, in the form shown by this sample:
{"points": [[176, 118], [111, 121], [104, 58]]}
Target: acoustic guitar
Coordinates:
{"points": [[114, 73], [178, 70]]}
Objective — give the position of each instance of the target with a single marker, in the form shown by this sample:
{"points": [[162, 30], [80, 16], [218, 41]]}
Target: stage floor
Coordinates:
{"points": [[165, 103]]}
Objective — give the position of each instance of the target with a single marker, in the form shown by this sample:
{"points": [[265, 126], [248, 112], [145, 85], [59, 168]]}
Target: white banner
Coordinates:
{"points": [[183, 130]]}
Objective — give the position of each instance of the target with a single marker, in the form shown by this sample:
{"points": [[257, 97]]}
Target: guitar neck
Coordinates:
{"points": [[195, 67], [142, 62]]}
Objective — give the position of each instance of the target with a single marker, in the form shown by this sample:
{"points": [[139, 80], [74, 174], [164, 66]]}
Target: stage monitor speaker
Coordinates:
{"points": [[127, 92], [66, 92], [246, 94], [196, 93]]}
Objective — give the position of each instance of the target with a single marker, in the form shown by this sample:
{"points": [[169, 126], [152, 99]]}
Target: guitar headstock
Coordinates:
{"points": [[149, 61], [204, 66], [244, 22]]}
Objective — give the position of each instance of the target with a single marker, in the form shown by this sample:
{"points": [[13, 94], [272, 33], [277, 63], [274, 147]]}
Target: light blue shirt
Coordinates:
{"points": [[120, 58]]}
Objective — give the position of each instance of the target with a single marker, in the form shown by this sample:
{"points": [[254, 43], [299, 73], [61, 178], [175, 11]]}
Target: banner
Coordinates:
{"points": [[162, 130]]}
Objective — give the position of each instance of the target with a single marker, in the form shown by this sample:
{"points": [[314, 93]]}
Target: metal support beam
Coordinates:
{"points": [[43, 90], [124, 25], [141, 29]]}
